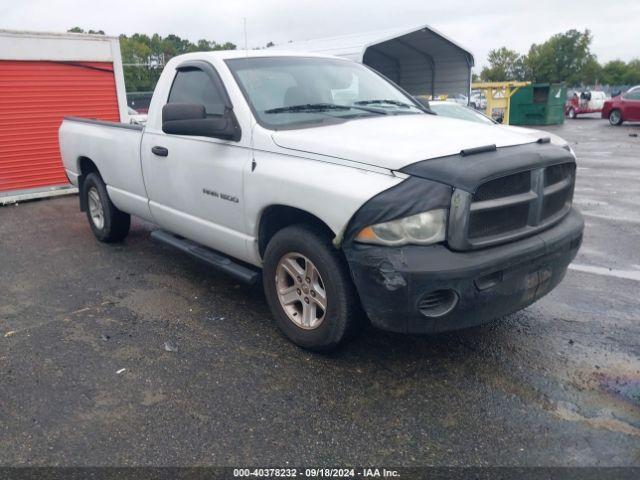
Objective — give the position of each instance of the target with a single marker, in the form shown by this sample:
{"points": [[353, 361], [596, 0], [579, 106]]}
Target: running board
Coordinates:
{"points": [[208, 256]]}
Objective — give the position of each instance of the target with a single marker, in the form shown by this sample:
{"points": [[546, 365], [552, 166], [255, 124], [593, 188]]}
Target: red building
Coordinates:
{"points": [[43, 77]]}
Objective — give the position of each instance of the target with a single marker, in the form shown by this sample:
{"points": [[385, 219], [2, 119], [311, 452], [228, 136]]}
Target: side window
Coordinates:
{"points": [[195, 86], [635, 95]]}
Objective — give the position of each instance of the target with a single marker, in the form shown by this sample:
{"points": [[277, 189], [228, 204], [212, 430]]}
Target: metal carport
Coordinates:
{"points": [[421, 60]]}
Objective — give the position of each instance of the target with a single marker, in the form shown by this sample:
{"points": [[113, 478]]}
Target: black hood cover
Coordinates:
{"points": [[409, 197], [468, 171], [431, 182]]}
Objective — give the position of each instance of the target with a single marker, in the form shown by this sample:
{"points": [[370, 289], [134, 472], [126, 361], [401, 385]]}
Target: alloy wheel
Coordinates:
{"points": [[95, 208], [301, 291]]}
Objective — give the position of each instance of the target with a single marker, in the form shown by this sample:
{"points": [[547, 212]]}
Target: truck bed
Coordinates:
{"points": [[114, 148]]}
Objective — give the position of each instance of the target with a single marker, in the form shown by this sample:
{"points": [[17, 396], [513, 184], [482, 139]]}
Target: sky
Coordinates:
{"points": [[477, 25]]}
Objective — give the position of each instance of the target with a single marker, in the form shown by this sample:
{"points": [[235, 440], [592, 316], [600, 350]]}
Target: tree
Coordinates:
{"points": [[145, 56], [139, 72], [504, 64], [632, 77], [225, 46], [614, 72], [80, 30], [565, 57], [591, 72], [562, 58], [617, 72]]}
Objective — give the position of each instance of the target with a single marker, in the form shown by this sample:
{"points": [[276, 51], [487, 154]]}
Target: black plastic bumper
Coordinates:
{"points": [[489, 283]]}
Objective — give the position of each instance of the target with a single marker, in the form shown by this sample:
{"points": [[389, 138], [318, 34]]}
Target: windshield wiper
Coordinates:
{"points": [[320, 107], [397, 103]]}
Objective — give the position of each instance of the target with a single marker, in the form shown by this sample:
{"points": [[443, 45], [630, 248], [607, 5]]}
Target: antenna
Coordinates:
{"points": [[244, 22]]}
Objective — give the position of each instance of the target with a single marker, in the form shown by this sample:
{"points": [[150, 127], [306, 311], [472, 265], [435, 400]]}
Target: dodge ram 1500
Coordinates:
{"points": [[343, 194]]}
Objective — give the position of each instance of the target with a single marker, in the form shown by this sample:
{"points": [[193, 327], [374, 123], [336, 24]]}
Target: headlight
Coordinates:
{"points": [[421, 229]]}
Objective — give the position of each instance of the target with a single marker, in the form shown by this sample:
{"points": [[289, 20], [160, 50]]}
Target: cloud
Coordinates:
{"points": [[479, 26]]}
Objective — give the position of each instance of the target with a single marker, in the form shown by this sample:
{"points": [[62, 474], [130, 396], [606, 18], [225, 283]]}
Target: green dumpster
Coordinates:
{"points": [[538, 104]]}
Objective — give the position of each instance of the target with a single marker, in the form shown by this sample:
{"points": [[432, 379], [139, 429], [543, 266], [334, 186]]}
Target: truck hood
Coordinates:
{"points": [[395, 141], [536, 134]]}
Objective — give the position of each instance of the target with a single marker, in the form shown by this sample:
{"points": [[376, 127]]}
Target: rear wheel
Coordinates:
{"points": [[615, 117], [309, 289], [571, 113], [107, 223]]}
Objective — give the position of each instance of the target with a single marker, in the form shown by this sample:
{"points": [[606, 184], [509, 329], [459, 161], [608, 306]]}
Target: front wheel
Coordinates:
{"points": [[615, 117], [571, 113], [309, 289], [107, 223]]}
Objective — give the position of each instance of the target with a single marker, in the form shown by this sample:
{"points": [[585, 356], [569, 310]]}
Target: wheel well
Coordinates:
{"points": [[86, 167], [277, 217]]}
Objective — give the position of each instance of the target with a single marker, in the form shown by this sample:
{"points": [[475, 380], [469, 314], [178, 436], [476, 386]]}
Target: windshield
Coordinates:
{"points": [[293, 92], [453, 110]]}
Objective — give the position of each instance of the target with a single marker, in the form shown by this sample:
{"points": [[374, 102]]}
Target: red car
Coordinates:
{"points": [[623, 108], [584, 102]]}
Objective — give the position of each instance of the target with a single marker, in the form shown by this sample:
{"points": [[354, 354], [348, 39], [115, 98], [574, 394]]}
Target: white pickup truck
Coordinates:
{"points": [[352, 199]]}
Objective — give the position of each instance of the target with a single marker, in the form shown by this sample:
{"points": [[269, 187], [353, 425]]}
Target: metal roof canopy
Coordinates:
{"points": [[421, 60]]}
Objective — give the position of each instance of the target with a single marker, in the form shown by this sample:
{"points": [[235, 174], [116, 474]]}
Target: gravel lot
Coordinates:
{"points": [[86, 377]]}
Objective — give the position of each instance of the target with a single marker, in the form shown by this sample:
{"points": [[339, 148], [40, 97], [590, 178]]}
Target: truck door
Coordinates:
{"points": [[195, 184]]}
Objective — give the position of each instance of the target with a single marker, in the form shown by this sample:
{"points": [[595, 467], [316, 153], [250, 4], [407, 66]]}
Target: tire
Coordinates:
{"points": [[107, 223], [341, 318], [571, 113], [615, 117]]}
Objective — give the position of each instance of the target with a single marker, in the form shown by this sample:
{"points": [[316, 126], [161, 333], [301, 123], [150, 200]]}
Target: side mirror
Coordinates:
{"points": [[191, 119]]}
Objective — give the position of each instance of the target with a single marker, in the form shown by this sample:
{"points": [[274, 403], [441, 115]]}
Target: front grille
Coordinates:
{"points": [[488, 223], [515, 205], [557, 173], [554, 203], [504, 187], [558, 188]]}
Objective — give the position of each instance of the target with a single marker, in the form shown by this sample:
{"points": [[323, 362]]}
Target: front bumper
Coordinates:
{"points": [[489, 283]]}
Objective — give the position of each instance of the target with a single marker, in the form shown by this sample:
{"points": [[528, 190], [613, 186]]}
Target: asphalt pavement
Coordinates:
{"points": [[135, 354]]}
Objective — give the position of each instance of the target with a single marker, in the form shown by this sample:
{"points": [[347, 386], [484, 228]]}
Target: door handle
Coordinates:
{"points": [[160, 151]]}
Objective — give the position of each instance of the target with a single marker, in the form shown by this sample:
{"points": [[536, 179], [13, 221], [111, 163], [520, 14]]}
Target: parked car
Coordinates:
{"points": [[453, 110], [135, 117], [623, 108], [478, 100], [584, 102], [458, 98], [248, 163]]}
